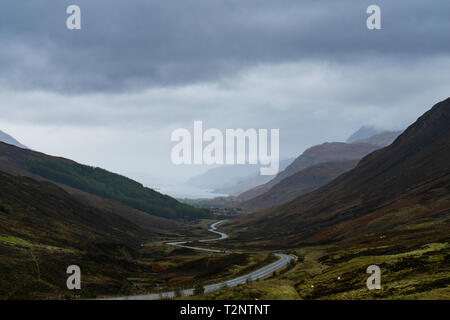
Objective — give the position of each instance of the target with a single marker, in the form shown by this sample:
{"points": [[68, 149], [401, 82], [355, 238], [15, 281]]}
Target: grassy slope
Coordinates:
{"points": [[338, 273], [45, 229], [95, 181]]}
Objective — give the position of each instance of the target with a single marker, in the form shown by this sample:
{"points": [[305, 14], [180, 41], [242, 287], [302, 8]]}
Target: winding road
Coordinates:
{"points": [[283, 260]]}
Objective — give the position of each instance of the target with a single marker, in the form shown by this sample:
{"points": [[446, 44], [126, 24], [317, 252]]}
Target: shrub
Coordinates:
{"points": [[5, 208], [199, 288], [178, 293], [126, 288], [158, 267]]}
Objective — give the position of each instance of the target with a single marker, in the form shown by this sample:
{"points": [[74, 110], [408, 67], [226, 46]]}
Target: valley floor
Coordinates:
{"points": [[408, 271], [420, 273]]}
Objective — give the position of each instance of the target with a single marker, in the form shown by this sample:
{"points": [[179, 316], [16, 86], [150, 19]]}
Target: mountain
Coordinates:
{"points": [[363, 133], [75, 177], [6, 138], [299, 183], [381, 139], [240, 184], [326, 152], [399, 192], [216, 178], [232, 179]]}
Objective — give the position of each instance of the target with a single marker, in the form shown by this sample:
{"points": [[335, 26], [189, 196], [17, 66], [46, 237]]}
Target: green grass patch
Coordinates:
{"points": [[15, 241]]}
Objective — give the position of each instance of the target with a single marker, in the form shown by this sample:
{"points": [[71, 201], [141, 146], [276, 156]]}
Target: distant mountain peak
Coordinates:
{"points": [[6, 138], [382, 139], [363, 133]]}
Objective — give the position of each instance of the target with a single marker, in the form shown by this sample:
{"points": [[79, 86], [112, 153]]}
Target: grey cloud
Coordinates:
{"points": [[133, 45], [111, 94], [298, 98]]}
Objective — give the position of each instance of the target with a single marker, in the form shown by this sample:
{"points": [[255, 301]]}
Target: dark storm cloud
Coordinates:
{"points": [[132, 45]]}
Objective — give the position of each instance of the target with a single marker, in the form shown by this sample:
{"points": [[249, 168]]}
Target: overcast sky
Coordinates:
{"points": [[111, 93]]}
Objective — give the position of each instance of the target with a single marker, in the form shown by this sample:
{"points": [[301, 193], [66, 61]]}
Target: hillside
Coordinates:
{"points": [[398, 192], [277, 192], [326, 152], [302, 182], [44, 229], [60, 218], [95, 181]]}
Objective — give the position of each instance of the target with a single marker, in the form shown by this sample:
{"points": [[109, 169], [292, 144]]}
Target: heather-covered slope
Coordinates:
{"points": [[403, 190], [302, 182], [44, 229], [311, 178], [44, 213], [95, 181], [326, 152]]}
